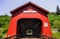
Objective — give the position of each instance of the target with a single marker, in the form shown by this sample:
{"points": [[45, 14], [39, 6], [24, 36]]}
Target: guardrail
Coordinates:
{"points": [[18, 37]]}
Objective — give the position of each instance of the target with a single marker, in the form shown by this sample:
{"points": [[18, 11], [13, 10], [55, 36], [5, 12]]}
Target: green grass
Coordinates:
{"points": [[56, 34]]}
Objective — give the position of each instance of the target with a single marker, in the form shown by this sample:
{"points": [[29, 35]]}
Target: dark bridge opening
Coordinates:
{"points": [[29, 27]]}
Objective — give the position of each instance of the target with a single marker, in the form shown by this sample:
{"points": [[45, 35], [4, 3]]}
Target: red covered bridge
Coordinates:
{"points": [[29, 20]]}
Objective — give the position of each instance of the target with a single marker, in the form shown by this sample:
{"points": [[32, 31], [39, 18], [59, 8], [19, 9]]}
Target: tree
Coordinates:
{"points": [[4, 22], [57, 10], [6, 15]]}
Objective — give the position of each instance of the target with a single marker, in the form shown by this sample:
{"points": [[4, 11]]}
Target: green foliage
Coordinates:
{"points": [[4, 22], [54, 21], [51, 18]]}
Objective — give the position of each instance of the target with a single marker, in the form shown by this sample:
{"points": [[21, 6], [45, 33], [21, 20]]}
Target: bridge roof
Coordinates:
{"points": [[29, 4]]}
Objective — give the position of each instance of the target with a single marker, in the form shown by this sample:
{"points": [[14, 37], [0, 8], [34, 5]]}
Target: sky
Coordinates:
{"points": [[7, 5]]}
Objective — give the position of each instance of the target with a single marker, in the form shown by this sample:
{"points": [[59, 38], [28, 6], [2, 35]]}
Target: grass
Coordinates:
{"points": [[56, 35]]}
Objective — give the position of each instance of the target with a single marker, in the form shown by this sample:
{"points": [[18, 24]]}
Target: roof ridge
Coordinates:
{"points": [[29, 4]]}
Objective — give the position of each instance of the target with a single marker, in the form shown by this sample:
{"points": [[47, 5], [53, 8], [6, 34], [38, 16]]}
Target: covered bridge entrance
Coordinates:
{"points": [[29, 20], [29, 27]]}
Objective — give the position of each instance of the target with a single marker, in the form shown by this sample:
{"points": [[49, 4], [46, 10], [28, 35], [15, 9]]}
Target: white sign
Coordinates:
{"points": [[45, 24], [29, 11]]}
